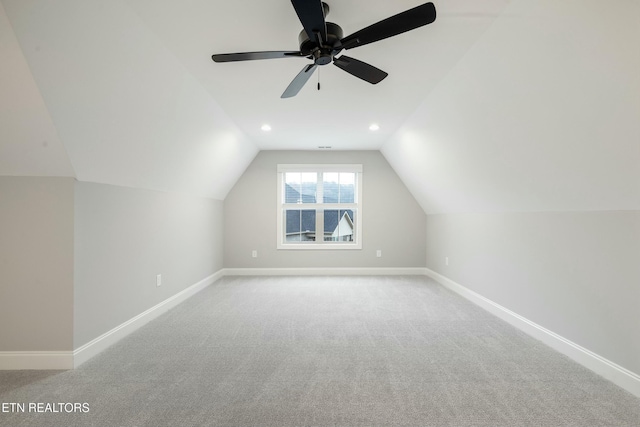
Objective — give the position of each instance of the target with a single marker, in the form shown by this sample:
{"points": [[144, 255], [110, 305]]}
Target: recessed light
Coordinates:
{"points": [[265, 128], [374, 127]]}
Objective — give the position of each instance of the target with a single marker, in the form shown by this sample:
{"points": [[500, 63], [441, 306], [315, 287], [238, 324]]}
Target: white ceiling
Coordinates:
{"points": [[340, 113], [497, 105], [127, 88]]}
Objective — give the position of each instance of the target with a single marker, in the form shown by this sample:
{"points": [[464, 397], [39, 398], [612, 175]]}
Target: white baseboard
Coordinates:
{"points": [[17, 360], [618, 375], [92, 348], [23, 360], [328, 271], [44, 360]]}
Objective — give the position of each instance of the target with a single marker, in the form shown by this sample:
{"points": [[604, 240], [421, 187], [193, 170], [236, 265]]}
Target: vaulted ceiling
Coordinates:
{"points": [[488, 108]]}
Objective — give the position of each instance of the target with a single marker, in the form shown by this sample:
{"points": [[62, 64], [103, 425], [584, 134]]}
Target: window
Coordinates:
{"points": [[319, 206]]}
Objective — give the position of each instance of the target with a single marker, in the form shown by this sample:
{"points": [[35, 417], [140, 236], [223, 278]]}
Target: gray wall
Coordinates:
{"points": [[574, 273], [36, 264], [533, 139], [124, 237], [392, 220]]}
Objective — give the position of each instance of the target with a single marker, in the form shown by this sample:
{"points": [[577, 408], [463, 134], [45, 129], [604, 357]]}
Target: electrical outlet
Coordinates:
{"points": [[379, 253], [159, 280], [254, 254], [446, 260]]}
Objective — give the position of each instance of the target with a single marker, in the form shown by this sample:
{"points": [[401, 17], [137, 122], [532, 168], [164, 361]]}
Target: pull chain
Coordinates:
{"points": [[318, 78]]}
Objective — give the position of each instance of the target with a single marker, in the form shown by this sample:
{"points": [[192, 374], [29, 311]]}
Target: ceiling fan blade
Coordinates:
{"points": [[250, 56], [397, 24], [311, 15], [360, 69], [299, 81]]}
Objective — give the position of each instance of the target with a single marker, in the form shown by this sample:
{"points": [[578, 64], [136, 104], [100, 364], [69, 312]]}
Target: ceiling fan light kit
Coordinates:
{"points": [[321, 41]]}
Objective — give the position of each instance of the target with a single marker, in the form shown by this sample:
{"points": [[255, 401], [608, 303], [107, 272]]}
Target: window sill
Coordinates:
{"points": [[319, 246]]}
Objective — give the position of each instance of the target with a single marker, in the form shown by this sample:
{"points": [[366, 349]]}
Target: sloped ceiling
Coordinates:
{"points": [[340, 113], [542, 114], [127, 89], [29, 144], [497, 106], [126, 110]]}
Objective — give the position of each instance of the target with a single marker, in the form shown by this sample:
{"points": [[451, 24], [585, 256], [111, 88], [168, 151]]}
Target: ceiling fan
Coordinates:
{"points": [[321, 41]]}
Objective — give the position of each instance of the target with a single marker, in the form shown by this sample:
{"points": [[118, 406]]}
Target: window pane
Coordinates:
{"points": [[300, 225], [308, 187], [347, 229], [347, 187], [300, 187], [339, 225], [331, 189], [331, 220], [292, 187]]}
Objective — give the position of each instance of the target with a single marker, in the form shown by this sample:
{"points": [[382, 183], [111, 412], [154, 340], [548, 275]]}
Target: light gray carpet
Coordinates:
{"points": [[325, 351]]}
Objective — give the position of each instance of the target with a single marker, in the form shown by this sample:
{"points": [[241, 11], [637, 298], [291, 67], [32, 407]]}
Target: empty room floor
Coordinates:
{"points": [[285, 351]]}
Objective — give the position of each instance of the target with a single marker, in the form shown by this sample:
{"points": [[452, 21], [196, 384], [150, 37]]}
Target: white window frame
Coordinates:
{"points": [[320, 207]]}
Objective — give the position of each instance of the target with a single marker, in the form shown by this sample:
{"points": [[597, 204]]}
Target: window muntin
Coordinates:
{"points": [[319, 206]]}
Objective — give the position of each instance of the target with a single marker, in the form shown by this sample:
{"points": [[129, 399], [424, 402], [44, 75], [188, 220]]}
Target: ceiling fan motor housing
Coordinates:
{"points": [[322, 55]]}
